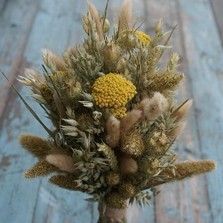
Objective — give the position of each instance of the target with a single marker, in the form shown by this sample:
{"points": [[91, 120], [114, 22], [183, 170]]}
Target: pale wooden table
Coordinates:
{"points": [[27, 26]]}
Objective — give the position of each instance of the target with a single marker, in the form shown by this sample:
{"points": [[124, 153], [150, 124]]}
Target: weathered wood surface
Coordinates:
{"points": [[27, 26], [217, 6]]}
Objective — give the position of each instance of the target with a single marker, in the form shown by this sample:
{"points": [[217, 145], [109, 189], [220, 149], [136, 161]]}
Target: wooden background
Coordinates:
{"points": [[27, 26]]}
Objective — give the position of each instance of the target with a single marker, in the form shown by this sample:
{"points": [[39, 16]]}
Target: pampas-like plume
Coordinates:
{"points": [[183, 110], [94, 14], [127, 165], [182, 171], [130, 120], [61, 161], [35, 145], [52, 61], [154, 107], [42, 168], [113, 131], [125, 17]]}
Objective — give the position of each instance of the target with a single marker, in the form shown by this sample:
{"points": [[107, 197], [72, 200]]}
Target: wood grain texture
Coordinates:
{"points": [[27, 26]]}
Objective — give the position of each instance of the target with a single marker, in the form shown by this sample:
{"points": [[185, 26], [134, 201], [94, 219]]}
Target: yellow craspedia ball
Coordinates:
{"points": [[143, 37], [113, 91]]}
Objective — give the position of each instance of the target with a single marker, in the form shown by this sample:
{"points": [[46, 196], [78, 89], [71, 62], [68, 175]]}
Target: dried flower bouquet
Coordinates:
{"points": [[114, 115]]}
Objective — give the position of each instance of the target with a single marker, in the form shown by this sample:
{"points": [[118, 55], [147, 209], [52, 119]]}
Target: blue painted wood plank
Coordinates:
{"points": [[204, 55], [56, 27], [2, 5], [15, 25], [17, 195], [16, 198], [217, 6]]}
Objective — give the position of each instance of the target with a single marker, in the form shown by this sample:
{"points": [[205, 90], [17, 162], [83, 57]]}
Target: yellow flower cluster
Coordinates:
{"points": [[129, 38], [113, 91], [143, 37]]}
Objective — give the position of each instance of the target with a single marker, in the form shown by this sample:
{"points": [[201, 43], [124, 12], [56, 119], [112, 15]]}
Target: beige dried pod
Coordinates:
{"points": [[130, 120], [61, 161], [113, 131], [127, 165], [111, 53]]}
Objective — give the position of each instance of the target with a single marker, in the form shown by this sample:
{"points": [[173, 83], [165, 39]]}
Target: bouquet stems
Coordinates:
{"points": [[110, 215]]}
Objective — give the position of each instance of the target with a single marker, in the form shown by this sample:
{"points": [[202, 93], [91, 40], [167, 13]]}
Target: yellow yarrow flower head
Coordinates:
{"points": [[130, 38], [143, 37], [113, 91]]}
